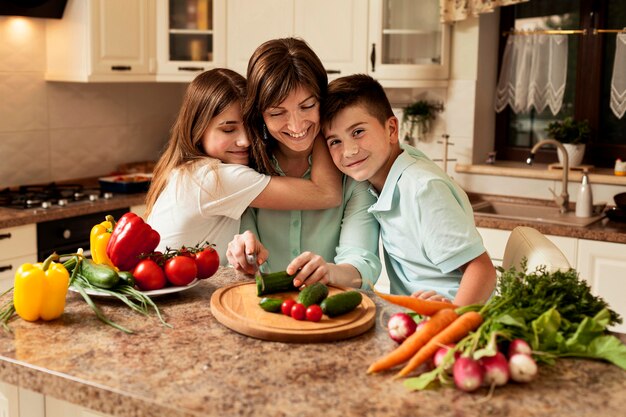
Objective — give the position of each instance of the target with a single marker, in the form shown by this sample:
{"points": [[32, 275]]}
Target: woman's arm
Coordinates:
{"points": [[478, 282], [322, 191]]}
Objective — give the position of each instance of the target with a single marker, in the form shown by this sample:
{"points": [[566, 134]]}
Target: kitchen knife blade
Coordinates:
{"points": [[252, 260]]}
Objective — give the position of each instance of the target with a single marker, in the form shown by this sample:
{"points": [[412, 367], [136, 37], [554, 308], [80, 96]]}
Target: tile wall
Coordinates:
{"points": [[51, 131]]}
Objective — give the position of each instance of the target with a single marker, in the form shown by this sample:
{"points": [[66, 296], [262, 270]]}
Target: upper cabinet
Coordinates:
{"points": [[102, 40], [190, 38], [335, 29], [408, 46]]}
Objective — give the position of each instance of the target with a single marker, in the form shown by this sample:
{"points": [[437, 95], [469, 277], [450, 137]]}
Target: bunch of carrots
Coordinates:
{"points": [[447, 324]]}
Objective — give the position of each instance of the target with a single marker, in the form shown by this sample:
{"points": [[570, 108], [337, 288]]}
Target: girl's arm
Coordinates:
{"points": [[478, 282], [322, 191]]}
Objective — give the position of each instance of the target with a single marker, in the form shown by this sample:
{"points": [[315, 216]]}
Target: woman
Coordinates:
{"points": [[286, 85]]}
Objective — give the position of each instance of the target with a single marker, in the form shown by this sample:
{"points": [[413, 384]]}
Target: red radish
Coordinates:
{"points": [[468, 374], [441, 353], [519, 346], [522, 367], [401, 326], [496, 369], [421, 324]]}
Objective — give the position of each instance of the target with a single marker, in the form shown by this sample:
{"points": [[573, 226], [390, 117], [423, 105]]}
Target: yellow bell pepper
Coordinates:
{"points": [[39, 290], [99, 239]]}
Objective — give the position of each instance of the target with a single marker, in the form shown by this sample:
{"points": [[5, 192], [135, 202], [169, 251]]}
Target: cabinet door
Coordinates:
{"points": [[603, 265], [336, 30], [121, 31], [9, 400], [407, 41], [252, 22]]}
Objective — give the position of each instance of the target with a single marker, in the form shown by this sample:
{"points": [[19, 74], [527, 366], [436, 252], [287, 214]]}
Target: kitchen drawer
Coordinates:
{"points": [[18, 241], [8, 268]]}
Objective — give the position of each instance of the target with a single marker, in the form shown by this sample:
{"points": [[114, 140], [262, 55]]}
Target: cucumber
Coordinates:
{"points": [[271, 304], [126, 278], [313, 294], [341, 303], [275, 282], [99, 275]]}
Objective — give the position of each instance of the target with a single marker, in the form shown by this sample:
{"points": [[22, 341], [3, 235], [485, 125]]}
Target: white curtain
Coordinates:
{"points": [[618, 82], [533, 73]]}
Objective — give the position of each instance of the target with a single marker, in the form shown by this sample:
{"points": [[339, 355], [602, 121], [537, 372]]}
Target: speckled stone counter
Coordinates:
{"points": [[201, 368]]}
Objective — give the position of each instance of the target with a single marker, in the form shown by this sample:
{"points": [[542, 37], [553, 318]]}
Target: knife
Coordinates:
{"points": [[252, 260]]}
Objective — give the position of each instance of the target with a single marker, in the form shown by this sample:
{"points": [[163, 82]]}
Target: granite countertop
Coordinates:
{"points": [[201, 368]]}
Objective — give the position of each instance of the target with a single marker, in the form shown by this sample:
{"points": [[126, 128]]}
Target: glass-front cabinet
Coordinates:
{"points": [[190, 37], [407, 41]]}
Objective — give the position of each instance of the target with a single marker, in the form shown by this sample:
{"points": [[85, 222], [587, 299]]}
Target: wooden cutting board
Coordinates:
{"points": [[237, 307]]}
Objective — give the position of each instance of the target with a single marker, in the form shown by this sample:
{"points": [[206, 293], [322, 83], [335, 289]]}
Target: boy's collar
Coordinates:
{"points": [[385, 198]]}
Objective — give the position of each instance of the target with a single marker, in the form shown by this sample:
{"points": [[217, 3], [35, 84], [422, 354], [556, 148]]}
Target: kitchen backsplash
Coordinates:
{"points": [[51, 131]]}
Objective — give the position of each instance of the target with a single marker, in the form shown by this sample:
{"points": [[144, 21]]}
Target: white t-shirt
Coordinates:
{"points": [[205, 203]]}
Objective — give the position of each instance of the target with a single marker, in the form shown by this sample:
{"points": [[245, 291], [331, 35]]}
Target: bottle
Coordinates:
{"points": [[584, 202]]}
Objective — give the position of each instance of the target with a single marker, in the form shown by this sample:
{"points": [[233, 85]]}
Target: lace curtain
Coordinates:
{"points": [[455, 10], [618, 82], [533, 73]]}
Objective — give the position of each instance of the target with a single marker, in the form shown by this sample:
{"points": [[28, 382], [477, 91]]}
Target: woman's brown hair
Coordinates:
{"points": [[275, 69], [209, 94]]}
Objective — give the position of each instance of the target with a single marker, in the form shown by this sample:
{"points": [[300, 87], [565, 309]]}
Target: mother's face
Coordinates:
{"points": [[295, 122]]}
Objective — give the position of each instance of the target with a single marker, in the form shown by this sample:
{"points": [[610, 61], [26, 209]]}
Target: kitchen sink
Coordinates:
{"points": [[531, 212]]}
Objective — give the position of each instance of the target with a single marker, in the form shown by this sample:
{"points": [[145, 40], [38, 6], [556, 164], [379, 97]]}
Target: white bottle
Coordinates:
{"points": [[584, 202]]}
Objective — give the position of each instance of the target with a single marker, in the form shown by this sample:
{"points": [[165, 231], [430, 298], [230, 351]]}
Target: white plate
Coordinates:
{"points": [[151, 293]]}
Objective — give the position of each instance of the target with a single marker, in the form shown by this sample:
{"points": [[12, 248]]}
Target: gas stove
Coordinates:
{"points": [[49, 196]]}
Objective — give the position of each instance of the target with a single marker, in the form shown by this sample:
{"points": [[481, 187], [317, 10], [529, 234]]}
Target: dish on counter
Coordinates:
{"points": [[126, 183], [616, 214], [151, 293]]}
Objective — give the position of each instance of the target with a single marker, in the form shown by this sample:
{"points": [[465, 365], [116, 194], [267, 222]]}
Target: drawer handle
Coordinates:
{"points": [[191, 68], [6, 268], [5, 236], [333, 71], [121, 68]]}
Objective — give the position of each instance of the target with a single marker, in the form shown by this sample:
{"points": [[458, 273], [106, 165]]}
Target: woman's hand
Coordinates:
{"points": [[430, 295], [242, 245], [310, 268]]}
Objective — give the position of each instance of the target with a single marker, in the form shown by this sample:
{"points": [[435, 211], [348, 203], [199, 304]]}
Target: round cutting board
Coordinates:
{"points": [[237, 307]]}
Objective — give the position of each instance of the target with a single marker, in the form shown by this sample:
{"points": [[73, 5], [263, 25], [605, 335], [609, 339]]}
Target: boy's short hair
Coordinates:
{"points": [[354, 90]]}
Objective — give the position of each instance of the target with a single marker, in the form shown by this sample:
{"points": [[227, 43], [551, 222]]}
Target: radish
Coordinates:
{"points": [[522, 367], [496, 369], [519, 346], [468, 374], [440, 355], [401, 326]]}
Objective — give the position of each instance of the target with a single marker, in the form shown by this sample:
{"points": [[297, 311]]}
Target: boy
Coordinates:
{"points": [[431, 245]]}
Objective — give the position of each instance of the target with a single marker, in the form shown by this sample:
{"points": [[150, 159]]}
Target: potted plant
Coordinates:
{"points": [[573, 134], [417, 116]]}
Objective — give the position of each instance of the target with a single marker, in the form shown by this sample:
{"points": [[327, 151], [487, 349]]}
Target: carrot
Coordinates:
{"points": [[413, 343], [422, 307], [459, 328]]}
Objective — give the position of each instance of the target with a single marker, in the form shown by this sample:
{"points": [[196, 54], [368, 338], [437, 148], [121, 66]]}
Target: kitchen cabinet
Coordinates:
{"points": [[603, 264], [102, 41], [335, 29], [20, 402], [9, 400], [190, 37], [18, 245], [408, 46]]}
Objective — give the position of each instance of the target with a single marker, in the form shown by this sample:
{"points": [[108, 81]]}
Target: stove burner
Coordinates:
{"points": [[63, 202], [50, 195]]}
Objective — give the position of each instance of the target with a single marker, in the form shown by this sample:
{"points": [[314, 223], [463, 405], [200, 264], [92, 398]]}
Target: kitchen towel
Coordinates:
{"points": [[618, 82]]}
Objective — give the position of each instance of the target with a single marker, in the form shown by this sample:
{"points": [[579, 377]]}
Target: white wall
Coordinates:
{"points": [[58, 131]]}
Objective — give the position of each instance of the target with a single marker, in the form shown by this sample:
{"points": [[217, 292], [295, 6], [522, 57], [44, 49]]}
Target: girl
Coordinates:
{"points": [[202, 183]]}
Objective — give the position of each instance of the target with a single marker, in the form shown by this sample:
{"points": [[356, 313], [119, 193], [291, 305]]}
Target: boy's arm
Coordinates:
{"points": [[478, 281]]}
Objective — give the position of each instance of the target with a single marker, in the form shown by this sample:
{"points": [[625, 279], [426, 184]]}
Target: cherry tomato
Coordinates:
{"points": [[207, 261], [180, 270], [286, 307], [314, 313], [149, 275], [298, 311]]}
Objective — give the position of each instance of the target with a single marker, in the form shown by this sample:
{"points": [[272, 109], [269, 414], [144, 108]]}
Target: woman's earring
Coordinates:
{"points": [[264, 132]]}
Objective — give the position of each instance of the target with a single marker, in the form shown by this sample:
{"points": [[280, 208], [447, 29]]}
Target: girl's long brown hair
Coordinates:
{"points": [[209, 94], [275, 69]]}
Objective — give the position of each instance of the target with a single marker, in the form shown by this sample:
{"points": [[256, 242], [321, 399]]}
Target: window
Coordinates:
{"points": [[590, 68]]}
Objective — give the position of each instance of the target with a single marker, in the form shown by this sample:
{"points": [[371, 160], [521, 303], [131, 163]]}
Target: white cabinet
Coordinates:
{"points": [[102, 41], [335, 29], [18, 245], [603, 265], [190, 38], [9, 400], [408, 46], [20, 402]]}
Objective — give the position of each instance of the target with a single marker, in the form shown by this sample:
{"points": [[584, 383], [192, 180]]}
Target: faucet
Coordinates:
{"points": [[563, 200]]}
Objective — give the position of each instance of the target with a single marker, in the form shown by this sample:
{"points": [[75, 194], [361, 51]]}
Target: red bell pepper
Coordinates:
{"points": [[130, 238]]}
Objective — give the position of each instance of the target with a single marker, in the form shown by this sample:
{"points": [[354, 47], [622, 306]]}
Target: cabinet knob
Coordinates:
{"points": [[121, 68], [67, 233], [5, 236], [373, 57]]}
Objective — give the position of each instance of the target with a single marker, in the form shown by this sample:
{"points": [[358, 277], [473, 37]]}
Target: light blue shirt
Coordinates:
{"points": [[344, 234], [427, 226]]}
